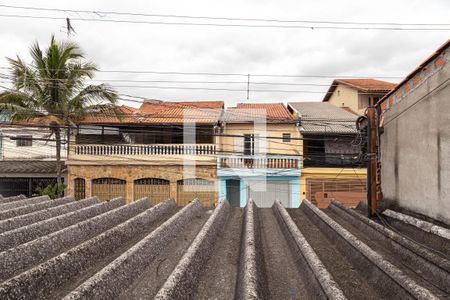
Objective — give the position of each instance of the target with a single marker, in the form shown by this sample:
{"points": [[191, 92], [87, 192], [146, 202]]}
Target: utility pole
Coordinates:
{"points": [[372, 162], [248, 86]]}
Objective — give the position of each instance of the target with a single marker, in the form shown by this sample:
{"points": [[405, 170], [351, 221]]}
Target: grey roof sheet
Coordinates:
{"points": [[324, 118], [29, 166]]}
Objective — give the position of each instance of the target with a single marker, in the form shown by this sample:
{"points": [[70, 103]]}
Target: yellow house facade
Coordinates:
{"points": [[260, 155]]}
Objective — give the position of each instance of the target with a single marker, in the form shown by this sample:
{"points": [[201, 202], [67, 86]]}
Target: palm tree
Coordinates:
{"points": [[53, 88]]}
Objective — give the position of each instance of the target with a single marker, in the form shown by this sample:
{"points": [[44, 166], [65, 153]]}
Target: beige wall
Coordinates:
{"points": [[350, 97], [235, 145], [345, 96]]}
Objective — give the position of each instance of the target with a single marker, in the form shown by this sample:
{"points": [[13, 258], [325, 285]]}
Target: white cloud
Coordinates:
{"points": [[120, 46]]}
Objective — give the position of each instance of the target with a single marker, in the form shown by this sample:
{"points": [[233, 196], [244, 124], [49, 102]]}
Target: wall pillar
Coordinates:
{"points": [[129, 190], [243, 187], [222, 193], [69, 182], [173, 190], [88, 187], [295, 192]]}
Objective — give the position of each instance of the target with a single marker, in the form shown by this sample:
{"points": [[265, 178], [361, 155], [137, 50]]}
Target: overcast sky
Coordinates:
{"points": [[242, 50]]}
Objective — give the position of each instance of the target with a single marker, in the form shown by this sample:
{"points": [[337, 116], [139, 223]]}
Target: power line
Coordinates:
{"points": [[231, 74], [220, 89], [310, 27], [209, 88], [97, 12], [219, 153], [217, 112], [317, 159], [86, 126], [62, 80], [230, 89], [278, 23]]}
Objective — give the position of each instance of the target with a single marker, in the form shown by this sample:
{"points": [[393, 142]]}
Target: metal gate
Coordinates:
{"points": [[265, 192], [79, 188], [109, 188], [12, 186], [348, 191], [157, 190], [189, 189]]}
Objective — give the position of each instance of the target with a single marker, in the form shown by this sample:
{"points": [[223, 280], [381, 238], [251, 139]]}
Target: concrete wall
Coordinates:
{"points": [[415, 145], [40, 150]]}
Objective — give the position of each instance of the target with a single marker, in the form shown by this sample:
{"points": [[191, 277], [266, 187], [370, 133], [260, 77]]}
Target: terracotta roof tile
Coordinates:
{"points": [[367, 85], [156, 106], [248, 112], [110, 116], [129, 109], [156, 111]]}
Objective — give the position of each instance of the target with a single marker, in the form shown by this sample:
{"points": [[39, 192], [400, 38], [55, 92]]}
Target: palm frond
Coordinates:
{"points": [[25, 78], [104, 109], [19, 113], [39, 60], [19, 99], [95, 94], [54, 84]]}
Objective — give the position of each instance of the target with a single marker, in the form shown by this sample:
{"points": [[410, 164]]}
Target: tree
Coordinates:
{"points": [[54, 89]]}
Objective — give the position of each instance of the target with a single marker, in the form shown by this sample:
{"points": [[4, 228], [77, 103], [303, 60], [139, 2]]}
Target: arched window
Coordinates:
{"points": [[79, 185], [203, 189], [109, 188], [156, 189]]}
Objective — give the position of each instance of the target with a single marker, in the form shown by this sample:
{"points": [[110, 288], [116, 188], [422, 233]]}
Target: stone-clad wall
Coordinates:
{"points": [[133, 172]]}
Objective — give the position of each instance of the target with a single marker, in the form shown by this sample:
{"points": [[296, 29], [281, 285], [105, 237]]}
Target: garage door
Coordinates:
{"points": [[189, 189], [264, 193], [156, 189], [108, 188], [348, 191]]}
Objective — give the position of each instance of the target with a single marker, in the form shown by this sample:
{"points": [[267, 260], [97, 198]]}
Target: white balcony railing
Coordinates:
{"points": [[255, 162], [143, 150]]}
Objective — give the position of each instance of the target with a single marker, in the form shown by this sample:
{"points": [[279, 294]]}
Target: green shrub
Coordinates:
{"points": [[52, 190]]}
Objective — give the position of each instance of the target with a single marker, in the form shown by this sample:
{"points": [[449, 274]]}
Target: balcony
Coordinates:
{"points": [[254, 162], [143, 152], [253, 165], [332, 161]]}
